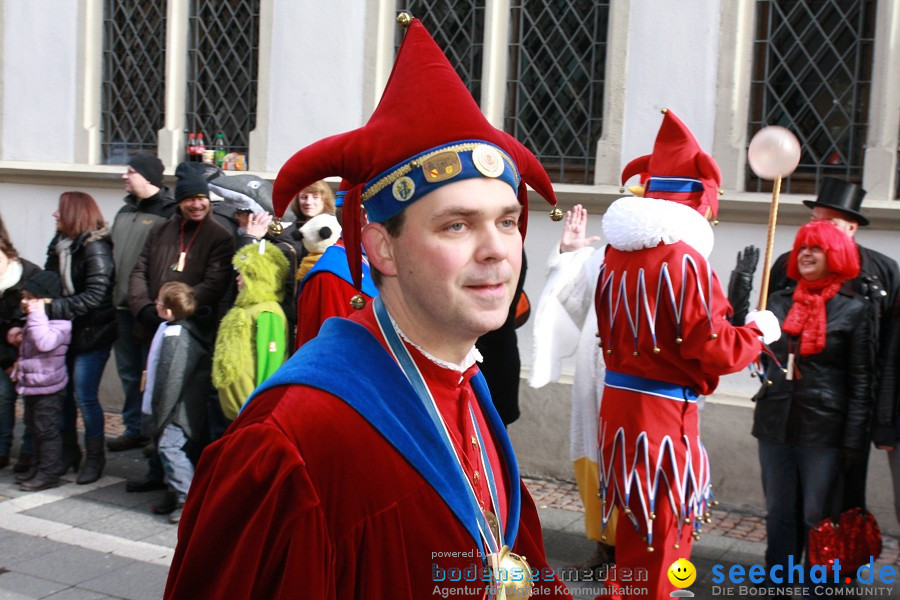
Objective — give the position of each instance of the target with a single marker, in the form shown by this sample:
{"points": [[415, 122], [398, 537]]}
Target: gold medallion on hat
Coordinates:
{"points": [[403, 189], [441, 167], [487, 160]]}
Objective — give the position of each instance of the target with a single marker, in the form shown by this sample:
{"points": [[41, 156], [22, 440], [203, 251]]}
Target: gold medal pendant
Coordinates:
{"points": [[513, 580], [493, 525], [511, 572]]}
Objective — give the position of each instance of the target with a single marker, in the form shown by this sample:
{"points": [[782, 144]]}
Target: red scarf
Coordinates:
{"points": [[807, 316]]}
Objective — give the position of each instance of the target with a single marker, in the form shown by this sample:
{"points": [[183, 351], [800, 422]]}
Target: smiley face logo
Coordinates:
{"points": [[682, 573]]}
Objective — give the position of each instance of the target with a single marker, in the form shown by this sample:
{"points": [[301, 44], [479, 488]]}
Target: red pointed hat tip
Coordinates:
{"points": [[678, 169]]}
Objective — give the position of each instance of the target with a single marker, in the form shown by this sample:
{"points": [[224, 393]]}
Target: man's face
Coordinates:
{"points": [[839, 219], [136, 184], [455, 263], [194, 208]]}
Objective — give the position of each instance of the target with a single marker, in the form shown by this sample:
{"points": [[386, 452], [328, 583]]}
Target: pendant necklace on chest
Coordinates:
{"points": [[182, 251], [510, 573]]}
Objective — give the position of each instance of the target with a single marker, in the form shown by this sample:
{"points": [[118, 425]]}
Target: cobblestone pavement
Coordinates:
{"points": [[736, 523]]}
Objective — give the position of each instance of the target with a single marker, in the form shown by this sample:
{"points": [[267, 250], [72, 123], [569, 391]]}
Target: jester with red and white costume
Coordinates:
{"points": [[666, 339]]}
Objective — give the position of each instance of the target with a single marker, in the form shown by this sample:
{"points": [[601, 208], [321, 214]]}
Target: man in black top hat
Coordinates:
{"points": [[879, 279]]}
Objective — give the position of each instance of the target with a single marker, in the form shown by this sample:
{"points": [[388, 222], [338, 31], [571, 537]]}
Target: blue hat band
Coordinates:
{"points": [[392, 191], [674, 185]]}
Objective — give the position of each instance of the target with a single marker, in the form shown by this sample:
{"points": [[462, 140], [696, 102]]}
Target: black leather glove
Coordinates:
{"points": [[884, 436], [741, 283]]}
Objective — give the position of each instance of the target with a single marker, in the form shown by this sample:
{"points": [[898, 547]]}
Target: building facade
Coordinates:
{"points": [[581, 82]]}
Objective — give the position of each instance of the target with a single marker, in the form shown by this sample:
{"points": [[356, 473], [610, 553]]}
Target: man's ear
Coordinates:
{"points": [[379, 247]]}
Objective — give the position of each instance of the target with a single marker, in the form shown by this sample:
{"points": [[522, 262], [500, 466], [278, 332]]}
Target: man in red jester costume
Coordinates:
{"points": [[665, 336]]}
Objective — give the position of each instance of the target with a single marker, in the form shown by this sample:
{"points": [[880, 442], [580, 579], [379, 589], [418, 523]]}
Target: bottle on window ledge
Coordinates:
{"points": [[191, 147], [200, 148], [219, 146]]}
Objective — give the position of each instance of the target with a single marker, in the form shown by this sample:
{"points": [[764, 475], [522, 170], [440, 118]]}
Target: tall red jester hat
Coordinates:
{"points": [[427, 131], [678, 169]]}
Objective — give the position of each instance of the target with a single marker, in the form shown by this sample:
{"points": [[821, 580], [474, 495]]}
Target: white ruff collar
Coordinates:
{"points": [[472, 357], [635, 223]]}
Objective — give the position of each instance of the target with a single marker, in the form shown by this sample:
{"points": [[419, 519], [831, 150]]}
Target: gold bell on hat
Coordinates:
{"points": [[275, 227], [556, 214], [358, 302]]}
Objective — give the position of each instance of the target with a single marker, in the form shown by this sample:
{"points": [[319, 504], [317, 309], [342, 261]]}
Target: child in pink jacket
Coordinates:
{"points": [[41, 377]]}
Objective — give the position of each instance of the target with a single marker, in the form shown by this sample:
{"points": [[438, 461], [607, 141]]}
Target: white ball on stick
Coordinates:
{"points": [[774, 152]]}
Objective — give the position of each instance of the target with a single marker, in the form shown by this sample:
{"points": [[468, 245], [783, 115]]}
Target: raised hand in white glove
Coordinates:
{"points": [[767, 323]]}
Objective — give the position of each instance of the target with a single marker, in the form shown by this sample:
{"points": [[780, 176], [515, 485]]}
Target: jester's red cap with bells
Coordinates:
{"points": [[678, 170], [427, 131]]}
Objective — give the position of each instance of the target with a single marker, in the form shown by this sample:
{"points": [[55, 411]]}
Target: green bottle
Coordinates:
{"points": [[219, 146]]}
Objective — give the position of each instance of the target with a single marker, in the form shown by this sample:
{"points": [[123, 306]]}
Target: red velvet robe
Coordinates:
{"points": [[304, 498], [324, 295]]}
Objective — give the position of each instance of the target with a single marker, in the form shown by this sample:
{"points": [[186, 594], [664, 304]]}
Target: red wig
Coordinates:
{"points": [[78, 213], [841, 254]]}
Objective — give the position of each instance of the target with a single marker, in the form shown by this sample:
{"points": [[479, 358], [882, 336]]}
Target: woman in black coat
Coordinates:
{"points": [[81, 252], [812, 411], [14, 272]]}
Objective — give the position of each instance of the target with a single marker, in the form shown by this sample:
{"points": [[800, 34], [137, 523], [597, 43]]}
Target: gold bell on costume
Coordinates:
{"points": [[514, 577]]}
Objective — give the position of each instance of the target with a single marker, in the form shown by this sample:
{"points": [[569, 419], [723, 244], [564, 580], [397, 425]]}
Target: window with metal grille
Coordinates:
{"points": [[557, 67], [457, 27], [133, 86], [812, 74], [223, 59]]}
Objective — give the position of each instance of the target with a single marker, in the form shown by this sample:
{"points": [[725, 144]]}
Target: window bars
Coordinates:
{"points": [[133, 85], [812, 74], [223, 59], [557, 67], [457, 27]]}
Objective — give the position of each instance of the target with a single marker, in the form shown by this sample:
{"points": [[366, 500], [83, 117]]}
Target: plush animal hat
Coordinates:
{"points": [[427, 131], [244, 192], [264, 268], [320, 232], [678, 170]]}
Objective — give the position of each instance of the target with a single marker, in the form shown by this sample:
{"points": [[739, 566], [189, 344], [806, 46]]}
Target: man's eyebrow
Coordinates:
{"points": [[511, 209]]}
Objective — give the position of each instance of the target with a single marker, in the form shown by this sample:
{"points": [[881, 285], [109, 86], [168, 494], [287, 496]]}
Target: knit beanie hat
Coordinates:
{"points": [[191, 181], [149, 166], [43, 284]]}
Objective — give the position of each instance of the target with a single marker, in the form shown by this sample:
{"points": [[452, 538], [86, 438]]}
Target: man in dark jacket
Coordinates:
{"points": [[148, 202], [190, 247], [879, 281]]}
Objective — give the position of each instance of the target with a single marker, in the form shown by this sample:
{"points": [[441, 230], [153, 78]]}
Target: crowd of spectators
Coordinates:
{"points": [[196, 291]]}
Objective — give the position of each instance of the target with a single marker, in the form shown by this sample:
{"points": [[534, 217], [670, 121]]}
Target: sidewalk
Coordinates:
{"points": [[736, 536], [97, 542]]}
